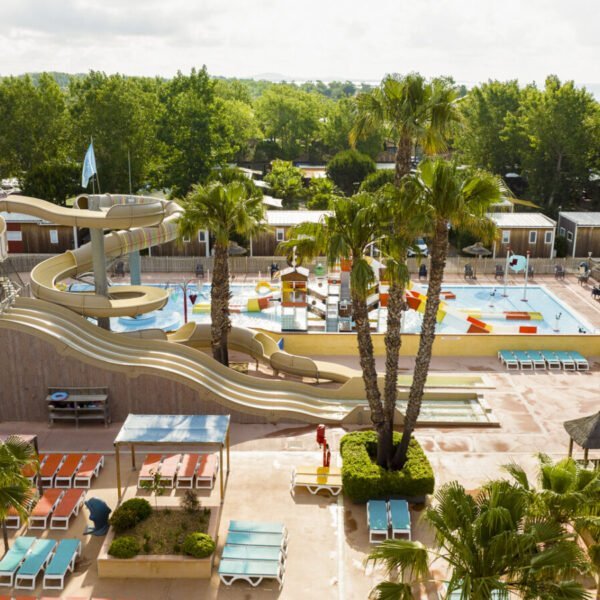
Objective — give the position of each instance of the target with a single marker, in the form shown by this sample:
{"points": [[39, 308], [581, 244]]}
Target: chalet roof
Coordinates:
{"points": [[526, 220], [582, 219], [300, 270], [11, 217], [288, 218]]}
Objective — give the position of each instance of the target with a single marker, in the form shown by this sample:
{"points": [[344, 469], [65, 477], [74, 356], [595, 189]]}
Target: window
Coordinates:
{"points": [[506, 236], [548, 237], [14, 236], [561, 232], [280, 234], [54, 236], [202, 236], [532, 237], [569, 236], [186, 239]]}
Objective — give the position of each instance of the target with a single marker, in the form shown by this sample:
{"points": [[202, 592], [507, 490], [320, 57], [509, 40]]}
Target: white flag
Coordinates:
{"points": [[89, 166]]}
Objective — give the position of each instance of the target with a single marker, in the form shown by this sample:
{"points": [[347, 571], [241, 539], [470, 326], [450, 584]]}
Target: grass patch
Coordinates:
{"points": [[165, 530]]}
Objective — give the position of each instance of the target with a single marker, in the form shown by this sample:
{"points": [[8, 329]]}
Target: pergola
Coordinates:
{"points": [[585, 432], [173, 431]]}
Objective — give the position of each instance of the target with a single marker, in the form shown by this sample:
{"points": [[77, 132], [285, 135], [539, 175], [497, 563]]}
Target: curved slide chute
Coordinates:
{"points": [[143, 222]]}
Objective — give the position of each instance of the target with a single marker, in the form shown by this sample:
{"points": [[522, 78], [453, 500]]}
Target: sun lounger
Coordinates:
{"points": [[508, 359], [64, 476], [187, 471], [49, 469], [551, 359], [37, 558], [252, 571], [13, 519], [253, 553], [377, 520], [246, 538], [567, 361], [62, 562], [68, 506], [44, 508], [206, 471], [89, 468], [168, 469], [13, 558], [581, 362], [30, 473], [315, 483], [399, 518], [314, 470], [525, 362], [257, 527], [539, 364], [150, 467]]}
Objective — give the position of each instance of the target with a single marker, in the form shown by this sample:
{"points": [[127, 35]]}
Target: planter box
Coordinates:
{"points": [[154, 566]]}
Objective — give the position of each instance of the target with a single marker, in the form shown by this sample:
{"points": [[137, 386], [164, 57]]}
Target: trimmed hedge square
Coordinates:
{"points": [[364, 480]]}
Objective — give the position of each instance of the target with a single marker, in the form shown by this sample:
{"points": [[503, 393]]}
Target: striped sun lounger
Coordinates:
{"points": [[206, 471], [509, 360], [581, 362], [44, 508], [525, 362], [399, 518], [539, 363], [69, 505], [64, 476], [320, 479], [567, 361], [187, 471], [377, 520], [551, 359], [149, 468], [62, 562], [89, 468], [48, 470], [168, 469], [13, 558], [37, 558], [252, 571]]}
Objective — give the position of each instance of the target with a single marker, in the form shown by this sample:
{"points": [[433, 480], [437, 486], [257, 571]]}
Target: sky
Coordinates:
{"points": [[471, 40]]}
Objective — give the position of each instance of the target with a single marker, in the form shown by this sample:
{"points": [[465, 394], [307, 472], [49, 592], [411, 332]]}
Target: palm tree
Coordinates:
{"points": [[491, 543], [449, 195], [223, 209], [16, 491], [412, 111]]}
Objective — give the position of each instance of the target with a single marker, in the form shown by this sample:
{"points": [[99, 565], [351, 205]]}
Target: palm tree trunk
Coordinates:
{"points": [[369, 369], [5, 536], [426, 339], [402, 159], [219, 305], [393, 341]]}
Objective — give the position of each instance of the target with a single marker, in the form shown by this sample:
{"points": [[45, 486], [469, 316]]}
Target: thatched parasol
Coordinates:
{"points": [[477, 249], [585, 432]]}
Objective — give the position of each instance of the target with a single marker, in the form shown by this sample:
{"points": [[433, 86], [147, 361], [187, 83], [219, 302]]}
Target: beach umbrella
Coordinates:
{"points": [[235, 250], [477, 249]]}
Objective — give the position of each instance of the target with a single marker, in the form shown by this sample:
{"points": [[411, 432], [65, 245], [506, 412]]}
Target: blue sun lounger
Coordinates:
{"points": [[37, 558], [581, 362], [551, 359], [252, 553], [537, 359], [13, 558], [566, 360], [508, 359], [252, 571], [377, 520], [399, 518], [257, 527], [62, 562], [244, 538], [525, 362]]}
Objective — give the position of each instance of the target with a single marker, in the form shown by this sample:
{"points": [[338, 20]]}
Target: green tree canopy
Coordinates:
{"points": [[348, 169], [287, 182]]}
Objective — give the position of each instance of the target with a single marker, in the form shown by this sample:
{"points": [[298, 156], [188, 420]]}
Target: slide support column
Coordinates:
{"points": [[135, 267], [99, 261]]}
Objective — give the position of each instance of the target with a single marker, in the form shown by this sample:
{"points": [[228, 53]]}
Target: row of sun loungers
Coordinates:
{"points": [[530, 360], [28, 557], [54, 509], [315, 479], [254, 551], [385, 517], [66, 470], [182, 471]]}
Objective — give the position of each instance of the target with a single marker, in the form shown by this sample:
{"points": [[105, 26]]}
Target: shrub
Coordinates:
{"points": [[189, 501], [198, 545], [375, 181], [130, 513], [348, 168], [124, 547], [363, 479]]}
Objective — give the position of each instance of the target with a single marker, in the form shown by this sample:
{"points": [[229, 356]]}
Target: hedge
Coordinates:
{"points": [[364, 480], [130, 513], [124, 547], [198, 545]]}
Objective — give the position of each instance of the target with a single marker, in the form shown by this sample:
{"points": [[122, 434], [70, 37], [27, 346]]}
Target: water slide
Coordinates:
{"points": [[142, 221]]}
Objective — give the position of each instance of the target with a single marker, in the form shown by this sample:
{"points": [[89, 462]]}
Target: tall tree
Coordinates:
{"points": [[287, 183], [348, 169], [450, 195], [225, 210]]}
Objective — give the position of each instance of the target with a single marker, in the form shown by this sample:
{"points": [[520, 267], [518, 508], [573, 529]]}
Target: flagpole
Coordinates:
{"points": [[96, 173], [129, 168]]}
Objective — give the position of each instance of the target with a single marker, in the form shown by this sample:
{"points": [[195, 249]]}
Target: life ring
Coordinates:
{"points": [[262, 285], [56, 396]]}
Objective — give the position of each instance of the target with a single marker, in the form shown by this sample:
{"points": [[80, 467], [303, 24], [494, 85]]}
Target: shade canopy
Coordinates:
{"points": [[477, 249], [585, 431], [174, 429]]}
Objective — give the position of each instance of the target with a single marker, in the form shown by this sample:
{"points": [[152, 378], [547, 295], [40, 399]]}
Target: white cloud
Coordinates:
{"points": [[473, 40]]}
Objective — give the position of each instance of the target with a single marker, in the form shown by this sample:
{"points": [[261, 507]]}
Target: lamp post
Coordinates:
{"points": [[184, 288]]}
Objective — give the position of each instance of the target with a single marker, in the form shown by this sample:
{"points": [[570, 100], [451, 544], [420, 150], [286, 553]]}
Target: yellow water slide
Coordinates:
{"points": [[3, 240], [142, 222]]}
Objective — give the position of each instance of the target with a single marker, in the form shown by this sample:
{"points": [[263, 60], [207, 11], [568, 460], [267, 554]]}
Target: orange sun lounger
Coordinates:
{"points": [[50, 467], [168, 469], [66, 473], [30, 473], [187, 471], [69, 505], [206, 472], [151, 465], [44, 508], [90, 467]]}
